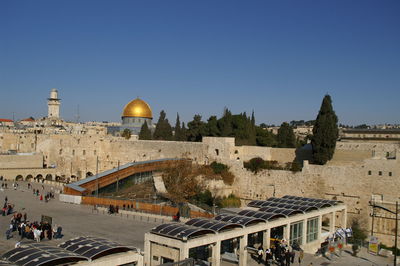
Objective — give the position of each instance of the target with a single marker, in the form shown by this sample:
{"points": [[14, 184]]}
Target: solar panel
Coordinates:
{"points": [[38, 254], [181, 231]]}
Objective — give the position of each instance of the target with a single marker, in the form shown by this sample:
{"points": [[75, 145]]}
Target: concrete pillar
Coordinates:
{"points": [[304, 233], [332, 222], [286, 233], [344, 218], [266, 238], [319, 226], [216, 254], [184, 252], [147, 251], [243, 251]]}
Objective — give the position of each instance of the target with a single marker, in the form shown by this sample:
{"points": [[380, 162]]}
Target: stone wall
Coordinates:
{"points": [[21, 161], [357, 172]]}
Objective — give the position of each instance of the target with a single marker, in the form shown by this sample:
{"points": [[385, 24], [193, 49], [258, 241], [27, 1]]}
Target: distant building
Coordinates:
{"points": [[6, 122], [53, 104], [371, 134]]}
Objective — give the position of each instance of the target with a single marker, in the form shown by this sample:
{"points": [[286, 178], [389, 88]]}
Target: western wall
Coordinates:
{"points": [[358, 172]]}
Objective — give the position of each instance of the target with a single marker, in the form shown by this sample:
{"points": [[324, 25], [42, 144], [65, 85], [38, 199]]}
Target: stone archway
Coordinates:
{"points": [[74, 178], [49, 177], [89, 174], [29, 177], [19, 178], [39, 176]]}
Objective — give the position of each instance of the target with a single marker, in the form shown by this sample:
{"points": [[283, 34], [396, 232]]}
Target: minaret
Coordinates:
{"points": [[53, 104]]}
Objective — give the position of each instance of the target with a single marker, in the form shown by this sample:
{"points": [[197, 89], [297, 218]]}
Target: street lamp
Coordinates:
{"points": [[396, 219]]}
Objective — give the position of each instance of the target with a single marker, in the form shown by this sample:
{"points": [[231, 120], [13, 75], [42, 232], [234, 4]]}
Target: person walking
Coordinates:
{"points": [[260, 253], [268, 257], [301, 256]]}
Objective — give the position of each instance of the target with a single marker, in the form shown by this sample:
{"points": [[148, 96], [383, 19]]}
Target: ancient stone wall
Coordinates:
{"points": [[357, 172]]}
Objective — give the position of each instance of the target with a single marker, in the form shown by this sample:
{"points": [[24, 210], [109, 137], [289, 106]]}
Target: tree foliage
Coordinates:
{"points": [[325, 132], [286, 137], [179, 131], [145, 133], [196, 129], [126, 133], [163, 129]]}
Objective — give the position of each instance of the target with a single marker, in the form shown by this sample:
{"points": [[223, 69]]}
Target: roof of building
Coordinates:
{"points": [[263, 211], [93, 247], [72, 251], [5, 120], [137, 108], [36, 254]]}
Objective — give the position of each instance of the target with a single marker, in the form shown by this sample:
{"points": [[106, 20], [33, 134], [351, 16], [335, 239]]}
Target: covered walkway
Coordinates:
{"points": [[91, 184], [228, 236]]}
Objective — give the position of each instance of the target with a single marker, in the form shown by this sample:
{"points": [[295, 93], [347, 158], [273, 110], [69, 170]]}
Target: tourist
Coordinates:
{"points": [[301, 256], [288, 257], [260, 253], [268, 257], [37, 233]]}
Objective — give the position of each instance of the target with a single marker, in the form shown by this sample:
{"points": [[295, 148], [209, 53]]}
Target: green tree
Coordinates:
{"points": [[163, 129], [178, 130], [225, 124], [196, 129], [184, 132], [126, 133], [265, 138], [325, 132], [145, 133], [286, 137], [212, 127]]}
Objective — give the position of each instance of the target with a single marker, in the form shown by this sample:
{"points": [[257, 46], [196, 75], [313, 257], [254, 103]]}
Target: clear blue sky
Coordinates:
{"points": [[278, 58]]}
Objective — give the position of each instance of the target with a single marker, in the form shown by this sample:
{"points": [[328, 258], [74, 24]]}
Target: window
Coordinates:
{"points": [[312, 229], [83, 152], [217, 152], [380, 172], [60, 151], [73, 152], [296, 233], [369, 172], [390, 173], [94, 152]]}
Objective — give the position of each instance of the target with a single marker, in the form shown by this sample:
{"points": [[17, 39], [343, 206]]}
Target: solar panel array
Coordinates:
{"points": [[268, 210], [92, 247], [71, 251], [40, 254]]}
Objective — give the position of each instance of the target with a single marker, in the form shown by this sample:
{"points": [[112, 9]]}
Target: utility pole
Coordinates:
{"points": [[395, 233], [117, 176], [97, 176]]}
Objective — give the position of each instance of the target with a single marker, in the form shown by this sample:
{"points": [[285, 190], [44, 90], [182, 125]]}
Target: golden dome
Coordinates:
{"points": [[137, 108]]}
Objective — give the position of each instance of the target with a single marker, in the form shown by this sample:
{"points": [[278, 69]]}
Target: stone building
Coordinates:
{"points": [[53, 104]]}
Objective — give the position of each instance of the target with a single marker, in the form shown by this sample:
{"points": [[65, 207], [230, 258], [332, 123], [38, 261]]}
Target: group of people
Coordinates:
{"points": [[32, 230], [47, 196], [113, 209], [279, 253]]}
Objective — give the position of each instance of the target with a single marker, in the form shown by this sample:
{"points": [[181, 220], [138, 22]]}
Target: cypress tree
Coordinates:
{"points": [[183, 132], [145, 133], [178, 131], [325, 132], [286, 137], [163, 129]]}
